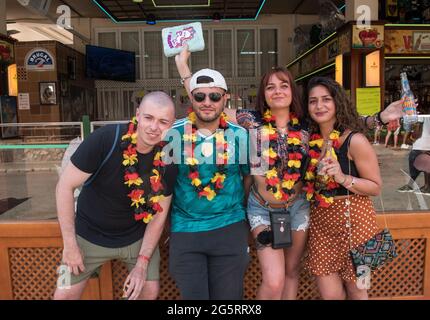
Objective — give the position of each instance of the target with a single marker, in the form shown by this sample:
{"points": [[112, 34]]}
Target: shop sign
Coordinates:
{"points": [[421, 41], [373, 69], [407, 41], [39, 59], [368, 38], [6, 52], [368, 100], [23, 101]]}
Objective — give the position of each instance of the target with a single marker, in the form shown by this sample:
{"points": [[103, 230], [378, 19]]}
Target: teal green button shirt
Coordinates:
{"points": [[193, 214]]}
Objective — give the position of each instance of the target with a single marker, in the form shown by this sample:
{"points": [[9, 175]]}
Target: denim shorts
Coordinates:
{"points": [[407, 126], [260, 215]]}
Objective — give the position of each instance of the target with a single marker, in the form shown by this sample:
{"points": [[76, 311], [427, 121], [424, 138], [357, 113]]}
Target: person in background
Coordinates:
{"points": [[393, 128], [377, 134], [407, 127], [421, 145]]}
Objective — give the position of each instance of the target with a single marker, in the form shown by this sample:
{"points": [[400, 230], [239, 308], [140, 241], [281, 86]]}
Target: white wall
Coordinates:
{"points": [[30, 31]]}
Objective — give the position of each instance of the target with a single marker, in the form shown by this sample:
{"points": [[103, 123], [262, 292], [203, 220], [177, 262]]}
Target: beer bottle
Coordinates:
{"points": [[409, 105]]}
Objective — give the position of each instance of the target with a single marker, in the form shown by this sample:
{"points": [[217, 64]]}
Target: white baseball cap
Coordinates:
{"points": [[218, 80]]}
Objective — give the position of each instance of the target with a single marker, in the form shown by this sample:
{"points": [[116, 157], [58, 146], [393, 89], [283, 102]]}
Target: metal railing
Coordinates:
{"points": [[49, 139], [23, 141], [104, 123]]}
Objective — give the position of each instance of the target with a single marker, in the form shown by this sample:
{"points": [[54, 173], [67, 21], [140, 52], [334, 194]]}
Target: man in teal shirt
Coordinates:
{"points": [[209, 241]]}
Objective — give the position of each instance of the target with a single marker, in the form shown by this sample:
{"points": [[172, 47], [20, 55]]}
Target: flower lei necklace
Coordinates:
{"points": [[322, 195], [281, 184], [211, 189], [145, 207]]}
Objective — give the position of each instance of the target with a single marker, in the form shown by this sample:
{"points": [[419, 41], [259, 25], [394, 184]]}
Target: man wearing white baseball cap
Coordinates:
{"points": [[209, 235], [218, 80]]}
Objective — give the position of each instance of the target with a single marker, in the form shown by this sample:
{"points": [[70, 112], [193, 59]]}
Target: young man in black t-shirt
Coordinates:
{"points": [[108, 224]]}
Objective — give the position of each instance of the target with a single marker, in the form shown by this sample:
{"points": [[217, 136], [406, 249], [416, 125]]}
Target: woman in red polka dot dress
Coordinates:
{"points": [[342, 214]]}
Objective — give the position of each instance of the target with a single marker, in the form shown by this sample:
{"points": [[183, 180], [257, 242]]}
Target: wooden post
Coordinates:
{"points": [[5, 280], [356, 73]]}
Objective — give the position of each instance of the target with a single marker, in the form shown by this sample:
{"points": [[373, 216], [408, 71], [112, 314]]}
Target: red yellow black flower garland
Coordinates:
{"points": [[144, 207], [323, 197], [281, 184], [211, 189]]}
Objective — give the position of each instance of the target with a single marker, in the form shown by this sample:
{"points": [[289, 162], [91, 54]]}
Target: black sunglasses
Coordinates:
{"points": [[213, 96]]}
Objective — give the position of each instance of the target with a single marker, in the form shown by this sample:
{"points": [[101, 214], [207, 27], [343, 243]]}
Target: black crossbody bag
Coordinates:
{"points": [[281, 229], [281, 220]]}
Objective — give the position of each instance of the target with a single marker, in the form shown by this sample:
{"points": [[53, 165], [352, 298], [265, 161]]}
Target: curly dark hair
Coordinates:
{"points": [[284, 75], [347, 116]]}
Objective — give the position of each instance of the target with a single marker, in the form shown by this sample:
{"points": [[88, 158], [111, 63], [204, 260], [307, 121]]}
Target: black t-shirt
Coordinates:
{"points": [[104, 215]]}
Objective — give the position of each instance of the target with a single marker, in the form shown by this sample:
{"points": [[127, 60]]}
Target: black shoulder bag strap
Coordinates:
{"points": [[92, 178]]}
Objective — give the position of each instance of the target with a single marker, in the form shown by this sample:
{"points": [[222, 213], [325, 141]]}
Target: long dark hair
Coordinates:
{"points": [[284, 75], [347, 116]]}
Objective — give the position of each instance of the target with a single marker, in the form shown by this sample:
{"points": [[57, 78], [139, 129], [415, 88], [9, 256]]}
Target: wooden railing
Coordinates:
{"points": [[30, 253]]}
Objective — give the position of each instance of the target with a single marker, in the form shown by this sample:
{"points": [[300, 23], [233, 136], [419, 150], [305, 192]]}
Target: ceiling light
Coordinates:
{"points": [[181, 5]]}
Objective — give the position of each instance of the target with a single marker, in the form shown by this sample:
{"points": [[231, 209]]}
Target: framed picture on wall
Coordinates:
{"points": [[48, 92]]}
